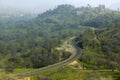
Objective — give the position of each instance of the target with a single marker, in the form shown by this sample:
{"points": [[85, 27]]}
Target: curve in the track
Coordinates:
{"points": [[73, 57]]}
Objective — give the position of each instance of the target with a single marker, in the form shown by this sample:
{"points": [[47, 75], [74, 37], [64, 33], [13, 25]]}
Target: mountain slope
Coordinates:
{"points": [[31, 39], [103, 52]]}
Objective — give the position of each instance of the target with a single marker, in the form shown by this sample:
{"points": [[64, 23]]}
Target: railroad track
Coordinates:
{"points": [[74, 56]]}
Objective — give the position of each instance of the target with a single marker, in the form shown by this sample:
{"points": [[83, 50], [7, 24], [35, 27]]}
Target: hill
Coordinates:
{"points": [[101, 48], [31, 43], [85, 16]]}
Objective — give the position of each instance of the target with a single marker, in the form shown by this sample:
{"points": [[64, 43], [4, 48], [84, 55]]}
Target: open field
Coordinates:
{"points": [[70, 73]]}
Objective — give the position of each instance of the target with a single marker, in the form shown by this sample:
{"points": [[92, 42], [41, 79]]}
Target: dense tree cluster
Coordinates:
{"points": [[106, 52]]}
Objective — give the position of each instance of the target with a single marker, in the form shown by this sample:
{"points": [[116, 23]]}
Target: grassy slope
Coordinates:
{"points": [[70, 73]]}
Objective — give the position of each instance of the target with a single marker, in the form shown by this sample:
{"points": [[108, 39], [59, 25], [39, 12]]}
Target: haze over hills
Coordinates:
{"points": [[7, 10], [11, 10], [35, 7], [115, 6], [8, 14]]}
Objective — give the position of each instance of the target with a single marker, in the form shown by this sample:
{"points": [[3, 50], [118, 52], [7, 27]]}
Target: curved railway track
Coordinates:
{"points": [[74, 56]]}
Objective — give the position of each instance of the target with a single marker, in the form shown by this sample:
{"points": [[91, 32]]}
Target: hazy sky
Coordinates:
{"points": [[47, 4]]}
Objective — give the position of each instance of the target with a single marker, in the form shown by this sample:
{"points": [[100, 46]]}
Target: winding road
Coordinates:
{"points": [[74, 56]]}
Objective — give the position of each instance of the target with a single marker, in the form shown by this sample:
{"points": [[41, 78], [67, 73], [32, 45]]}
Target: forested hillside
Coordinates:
{"points": [[31, 43], [101, 48]]}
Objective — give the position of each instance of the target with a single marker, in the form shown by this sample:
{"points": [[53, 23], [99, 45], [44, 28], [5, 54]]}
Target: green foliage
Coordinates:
{"points": [[101, 48], [72, 73], [9, 68], [31, 43], [105, 20]]}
